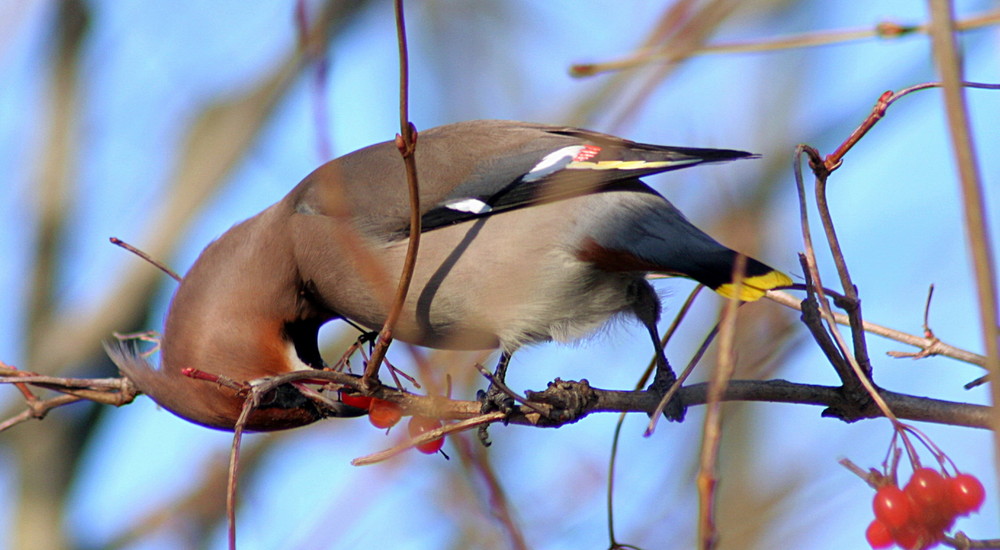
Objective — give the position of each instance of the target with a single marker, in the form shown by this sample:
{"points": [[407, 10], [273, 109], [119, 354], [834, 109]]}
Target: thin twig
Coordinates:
{"points": [[643, 380], [883, 30], [775, 391], [712, 430], [406, 142], [502, 386], [107, 391], [38, 409], [451, 428], [817, 284], [977, 382], [234, 466], [26, 392], [813, 321], [866, 475], [834, 160], [678, 385], [932, 346], [156, 263], [973, 203], [852, 304], [928, 333], [475, 458], [315, 52]]}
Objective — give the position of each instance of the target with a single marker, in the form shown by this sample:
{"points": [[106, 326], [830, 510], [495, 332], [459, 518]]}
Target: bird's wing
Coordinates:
{"points": [[479, 168]]}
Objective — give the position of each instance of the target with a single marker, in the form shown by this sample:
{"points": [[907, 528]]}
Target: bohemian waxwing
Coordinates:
{"points": [[530, 233]]}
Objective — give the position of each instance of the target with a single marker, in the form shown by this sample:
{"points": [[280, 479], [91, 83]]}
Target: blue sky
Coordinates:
{"points": [[148, 67]]}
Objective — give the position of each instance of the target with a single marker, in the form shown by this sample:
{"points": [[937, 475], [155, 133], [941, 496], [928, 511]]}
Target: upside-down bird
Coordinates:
{"points": [[529, 233]]}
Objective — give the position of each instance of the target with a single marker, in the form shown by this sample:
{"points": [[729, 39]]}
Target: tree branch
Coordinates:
{"points": [[406, 142]]}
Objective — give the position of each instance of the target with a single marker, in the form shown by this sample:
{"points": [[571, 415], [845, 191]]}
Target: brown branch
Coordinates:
{"points": [[928, 332], [452, 428], [154, 262], [475, 459], [835, 159], [249, 405], [883, 30], [712, 431], [961, 541], [857, 386], [851, 304], [905, 406], [117, 392], [931, 346], [838, 405], [667, 335], [502, 386], [37, 409], [775, 391], [839, 356], [813, 320], [107, 391], [406, 142], [654, 417], [946, 57]]}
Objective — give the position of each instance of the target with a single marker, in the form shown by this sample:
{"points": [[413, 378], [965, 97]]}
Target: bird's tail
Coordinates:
{"points": [[656, 238], [758, 277]]}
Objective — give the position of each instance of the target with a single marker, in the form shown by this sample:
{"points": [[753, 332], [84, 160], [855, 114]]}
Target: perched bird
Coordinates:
{"points": [[530, 233]]}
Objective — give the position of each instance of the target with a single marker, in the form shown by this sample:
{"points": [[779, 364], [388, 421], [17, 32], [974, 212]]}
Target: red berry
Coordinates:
{"points": [[384, 414], [930, 501], [431, 447], [878, 535], [927, 489], [892, 507], [355, 400], [420, 425], [967, 493]]}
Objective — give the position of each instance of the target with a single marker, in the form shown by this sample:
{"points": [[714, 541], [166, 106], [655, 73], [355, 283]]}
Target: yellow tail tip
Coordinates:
{"points": [[754, 287]]}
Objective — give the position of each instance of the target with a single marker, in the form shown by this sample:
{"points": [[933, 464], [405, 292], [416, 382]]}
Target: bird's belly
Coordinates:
{"points": [[505, 280], [528, 288]]}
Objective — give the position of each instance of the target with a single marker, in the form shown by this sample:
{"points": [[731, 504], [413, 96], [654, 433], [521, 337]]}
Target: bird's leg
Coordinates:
{"points": [[368, 337], [646, 306], [495, 398], [664, 378]]}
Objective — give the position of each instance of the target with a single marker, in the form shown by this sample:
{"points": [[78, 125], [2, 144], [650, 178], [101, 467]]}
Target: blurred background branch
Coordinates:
{"points": [[238, 91]]}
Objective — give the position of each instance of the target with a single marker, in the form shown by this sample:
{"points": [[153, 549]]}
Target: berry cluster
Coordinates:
{"points": [[917, 516], [386, 414]]}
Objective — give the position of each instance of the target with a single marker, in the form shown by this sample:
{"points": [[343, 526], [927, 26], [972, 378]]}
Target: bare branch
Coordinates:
{"points": [[947, 59], [932, 346], [406, 142], [882, 30], [711, 437], [156, 263]]}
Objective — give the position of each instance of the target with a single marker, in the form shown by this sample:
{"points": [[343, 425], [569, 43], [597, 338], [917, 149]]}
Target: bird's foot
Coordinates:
{"points": [[495, 398], [662, 382]]}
